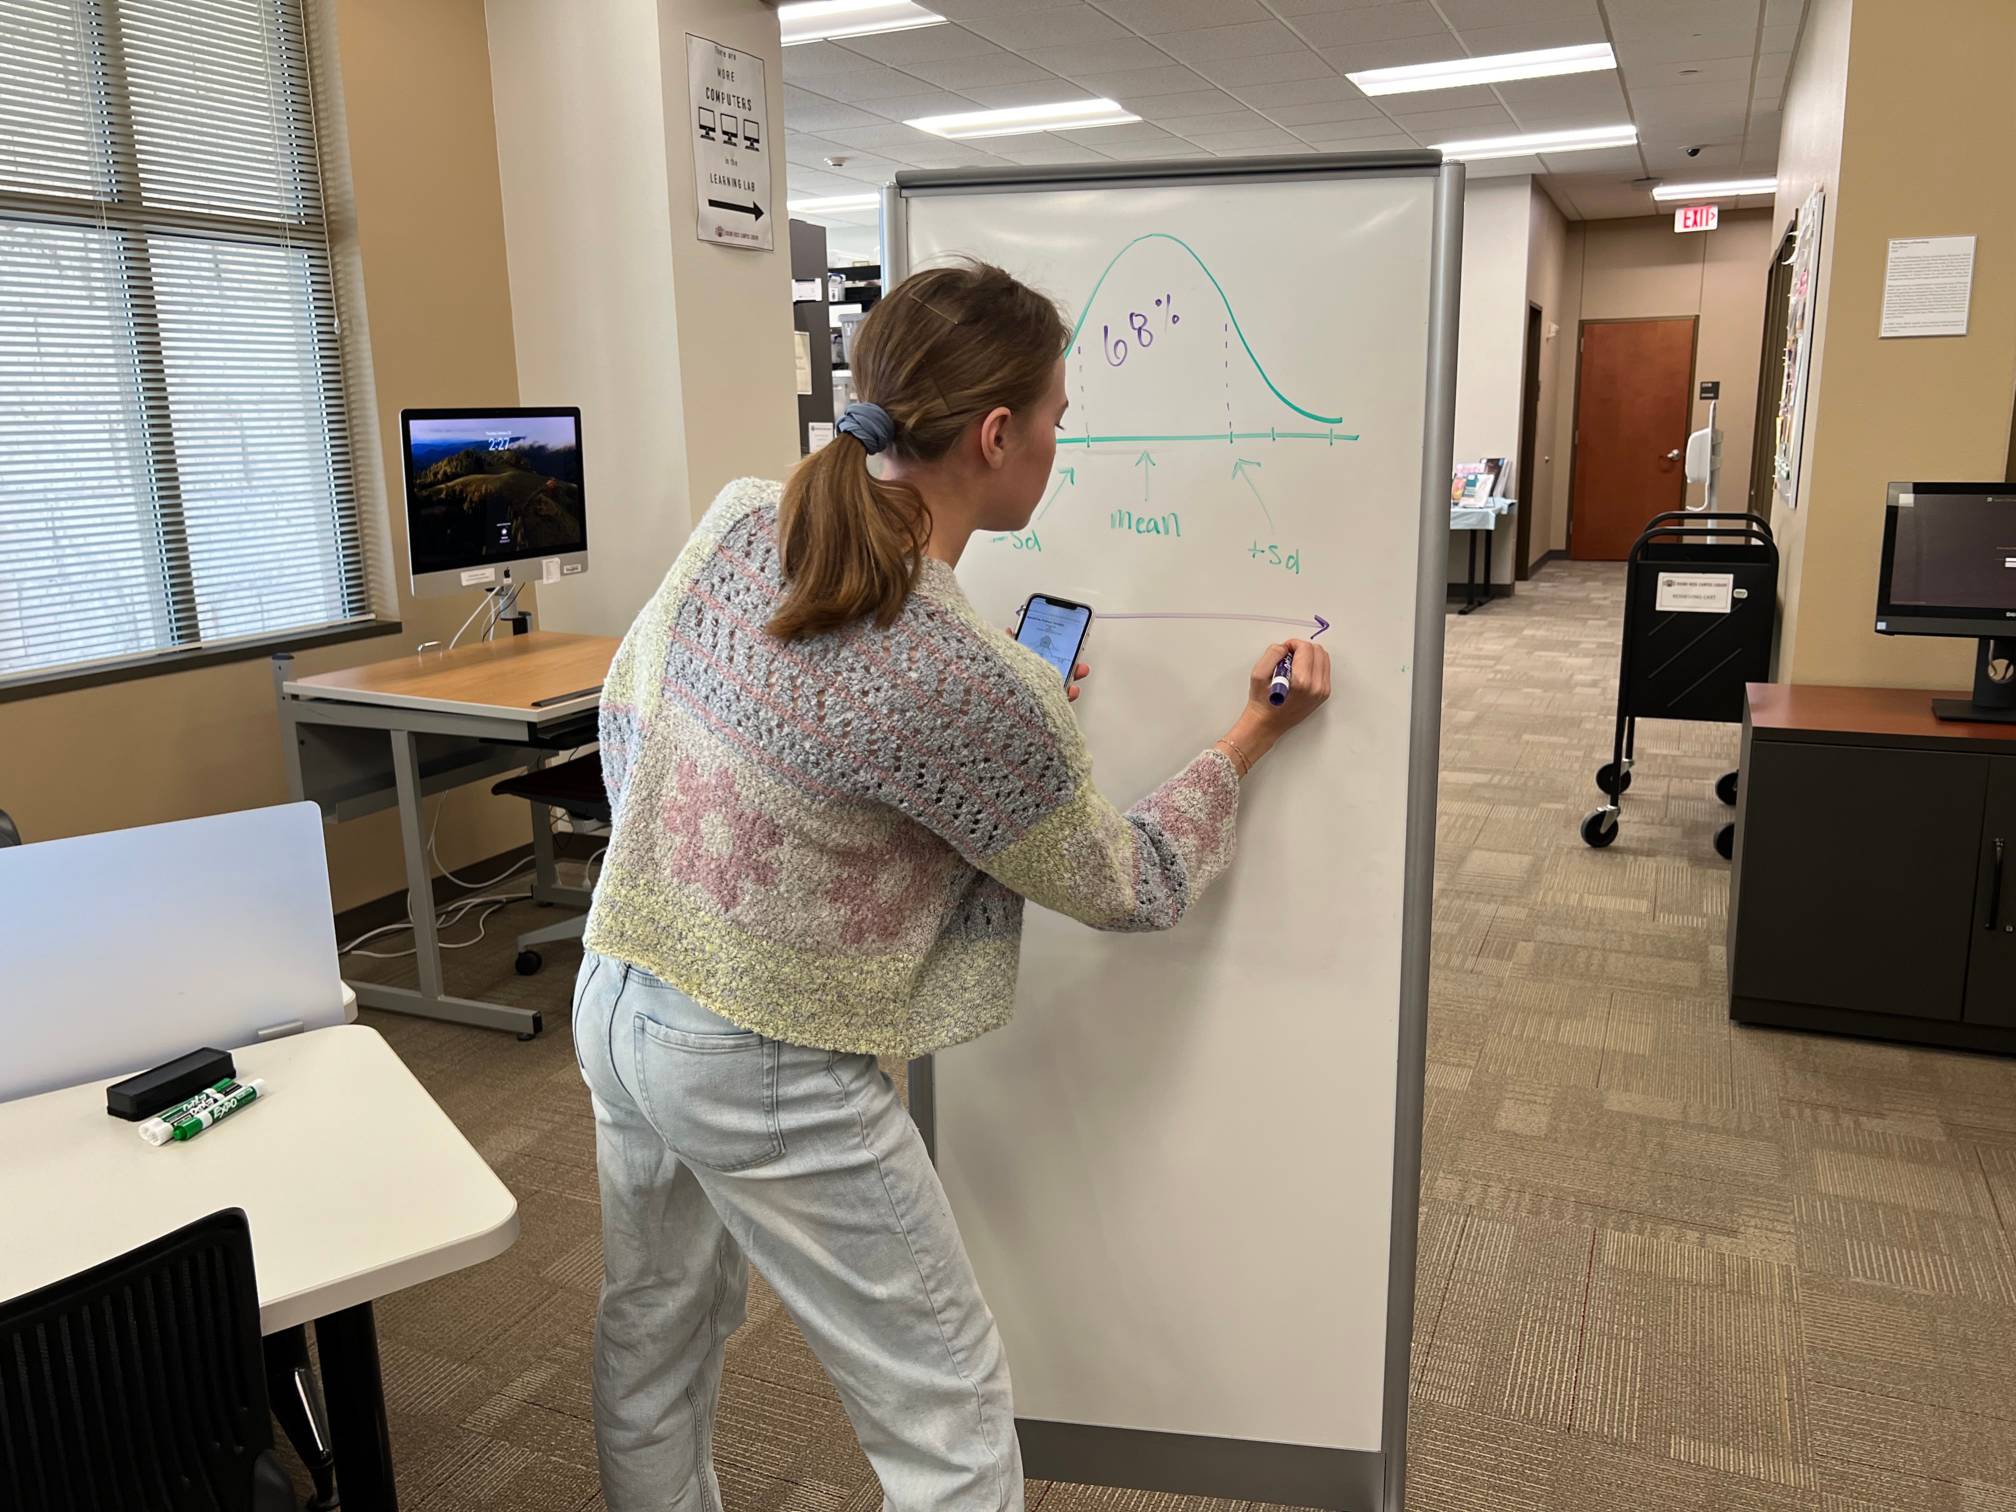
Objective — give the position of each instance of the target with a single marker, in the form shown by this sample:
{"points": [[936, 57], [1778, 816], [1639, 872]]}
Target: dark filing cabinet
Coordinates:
{"points": [[1874, 889]]}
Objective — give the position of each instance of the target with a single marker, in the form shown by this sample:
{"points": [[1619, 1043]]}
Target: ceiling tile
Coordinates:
{"points": [[1362, 55], [1099, 57], [1041, 147], [1051, 26], [1427, 101], [1323, 112], [1630, 18], [876, 83], [817, 183], [884, 136], [1530, 36], [867, 167], [1665, 46], [1299, 91], [933, 152], [1457, 125], [1390, 142], [826, 116], [986, 68], [1112, 139], [804, 147], [1041, 91], [1688, 102], [909, 107], [1275, 68], [1379, 23], [1210, 125], [1682, 71], [1175, 147], [1246, 141], [1330, 133], [1579, 92], [1255, 39], [1153, 17], [1783, 12], [1464, 14], [960, 10], [1294, 9], [1621, 161], [1172, 107], [816, 60], [919, 45], [1670, 161], [1129, 85], [1777, 39]]}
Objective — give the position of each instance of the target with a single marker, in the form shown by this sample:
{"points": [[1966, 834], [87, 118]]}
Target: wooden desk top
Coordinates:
{"points": [[1808, 709], [508, 675]]}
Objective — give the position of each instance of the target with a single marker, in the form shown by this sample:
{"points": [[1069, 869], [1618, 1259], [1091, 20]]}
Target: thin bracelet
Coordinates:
{"points": [[1242, 763]]}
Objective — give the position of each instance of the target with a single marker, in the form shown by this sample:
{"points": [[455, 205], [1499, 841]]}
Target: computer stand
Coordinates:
{"points": [[1994, 700]]}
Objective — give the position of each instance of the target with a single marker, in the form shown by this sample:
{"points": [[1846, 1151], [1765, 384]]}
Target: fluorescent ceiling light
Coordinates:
{"points": [[835, 204], [1592, 57], [1720, 189], [1064, 115], [819, 20], [1541, 142]]}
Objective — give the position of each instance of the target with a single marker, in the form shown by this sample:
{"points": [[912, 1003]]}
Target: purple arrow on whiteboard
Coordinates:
{"points": [[1320, 623]]}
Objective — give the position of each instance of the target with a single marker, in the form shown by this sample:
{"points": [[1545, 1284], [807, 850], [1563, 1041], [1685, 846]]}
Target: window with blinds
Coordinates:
{"points": [[175, 462]]}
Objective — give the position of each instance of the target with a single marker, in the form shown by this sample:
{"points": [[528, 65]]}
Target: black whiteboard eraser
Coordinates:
{"points": [[144, 1095]]}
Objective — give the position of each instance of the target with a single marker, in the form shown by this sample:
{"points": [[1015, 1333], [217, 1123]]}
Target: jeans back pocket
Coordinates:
{"points": [[711, 1097]]}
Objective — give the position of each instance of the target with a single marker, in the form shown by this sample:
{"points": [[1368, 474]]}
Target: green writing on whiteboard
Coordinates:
{"points": [[1022, 542], [1145, 524], [1270, 555]]}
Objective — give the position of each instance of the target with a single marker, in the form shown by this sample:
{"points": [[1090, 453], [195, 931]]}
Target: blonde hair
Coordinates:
{"points": [[943, 349]]}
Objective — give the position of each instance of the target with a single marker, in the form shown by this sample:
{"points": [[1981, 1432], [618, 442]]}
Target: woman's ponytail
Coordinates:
{"points": [[944, 348], [851, 543]]}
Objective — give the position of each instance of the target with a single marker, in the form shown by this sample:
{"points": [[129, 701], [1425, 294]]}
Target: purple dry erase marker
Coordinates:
{"points": [[1277, 690]]}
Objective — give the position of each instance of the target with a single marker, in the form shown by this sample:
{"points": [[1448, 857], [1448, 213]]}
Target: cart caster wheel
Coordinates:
{"points": [[1606, 780], [1725, 841], [1725, 788], [538, 1024], [1600, 828], [528, 962]]}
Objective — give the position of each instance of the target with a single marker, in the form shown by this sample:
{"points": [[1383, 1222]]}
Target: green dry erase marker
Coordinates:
{"points": [[188, 1119]]}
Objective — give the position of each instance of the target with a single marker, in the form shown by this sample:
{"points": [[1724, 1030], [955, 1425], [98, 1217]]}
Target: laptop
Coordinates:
{"points": [[123, 950]]}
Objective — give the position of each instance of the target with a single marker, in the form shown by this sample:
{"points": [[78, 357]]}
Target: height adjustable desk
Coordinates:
{"points": [[394, 733]]}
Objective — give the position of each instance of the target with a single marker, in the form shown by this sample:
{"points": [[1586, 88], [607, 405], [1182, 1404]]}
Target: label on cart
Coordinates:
{"points": [[1695, 592]]}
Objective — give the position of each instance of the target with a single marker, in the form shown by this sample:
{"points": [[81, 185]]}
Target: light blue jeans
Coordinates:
{"points": [[718, 1147]]}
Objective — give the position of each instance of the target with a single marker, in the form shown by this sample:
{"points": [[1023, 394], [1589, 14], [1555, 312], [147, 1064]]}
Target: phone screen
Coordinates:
{"points": [[1054, 629]]}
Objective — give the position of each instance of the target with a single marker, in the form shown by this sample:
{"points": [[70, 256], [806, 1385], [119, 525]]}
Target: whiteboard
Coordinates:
{"points": [[1174, 1168]]}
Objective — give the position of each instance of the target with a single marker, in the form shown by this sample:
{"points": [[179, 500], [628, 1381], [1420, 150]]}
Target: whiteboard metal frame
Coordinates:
{"points": [[1294, 1474]]}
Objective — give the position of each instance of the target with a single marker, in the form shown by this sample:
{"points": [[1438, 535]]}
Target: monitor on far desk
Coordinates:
{"points": [[494, 497], [1949, 568]]}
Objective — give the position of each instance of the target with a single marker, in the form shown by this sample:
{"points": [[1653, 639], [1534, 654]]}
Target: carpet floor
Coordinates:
{"points": [[1666, 1262]]}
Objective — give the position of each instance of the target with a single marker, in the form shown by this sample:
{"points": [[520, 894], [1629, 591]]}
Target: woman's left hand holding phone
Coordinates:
{"points": [[1079, 672]]}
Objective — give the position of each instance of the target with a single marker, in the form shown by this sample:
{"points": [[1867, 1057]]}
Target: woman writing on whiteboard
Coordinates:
{"points": [[833, 785]]}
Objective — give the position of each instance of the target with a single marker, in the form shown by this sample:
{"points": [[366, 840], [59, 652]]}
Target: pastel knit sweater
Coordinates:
{"points": [[828, 841]]}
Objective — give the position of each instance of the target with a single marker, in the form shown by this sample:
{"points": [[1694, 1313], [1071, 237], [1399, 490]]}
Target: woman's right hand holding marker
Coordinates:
{"points": [[1263, 721]]}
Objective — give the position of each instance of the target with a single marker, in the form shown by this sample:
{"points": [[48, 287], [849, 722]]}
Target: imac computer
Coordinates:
{"points": [[493, 497], [1949, 568]]}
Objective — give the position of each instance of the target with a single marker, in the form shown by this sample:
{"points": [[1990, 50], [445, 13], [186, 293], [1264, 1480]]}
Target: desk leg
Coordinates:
{"points": [[356, 1395], [545, 874], [419, 875], [1470, 600], [430, 1001]]}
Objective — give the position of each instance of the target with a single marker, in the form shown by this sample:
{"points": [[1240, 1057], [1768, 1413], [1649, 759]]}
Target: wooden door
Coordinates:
{"points": [[1634, 401]]}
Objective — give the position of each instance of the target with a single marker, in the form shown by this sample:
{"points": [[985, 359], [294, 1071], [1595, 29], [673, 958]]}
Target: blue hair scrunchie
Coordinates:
{"points": [[867, 423]]}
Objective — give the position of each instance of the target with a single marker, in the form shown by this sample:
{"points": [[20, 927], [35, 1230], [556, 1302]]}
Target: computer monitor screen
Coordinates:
{"points": [[1949, 559], [491, 492]]}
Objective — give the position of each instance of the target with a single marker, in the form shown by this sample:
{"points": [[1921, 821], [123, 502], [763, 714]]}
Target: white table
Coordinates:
{"points": [[355, 1182], [1474, 515]]}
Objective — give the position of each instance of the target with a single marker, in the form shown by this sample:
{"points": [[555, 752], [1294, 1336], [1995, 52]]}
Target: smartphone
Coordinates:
{"points": [[1055, 630]]}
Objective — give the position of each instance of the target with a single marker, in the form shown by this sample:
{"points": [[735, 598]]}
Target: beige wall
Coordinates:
{"points": [[1490, 347], [1916, 98], [1553, 282], [1641, 267], [416, 92], [616, 299]]}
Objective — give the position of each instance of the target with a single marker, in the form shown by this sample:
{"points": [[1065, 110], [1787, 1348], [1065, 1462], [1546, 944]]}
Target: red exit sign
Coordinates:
{"points": [[1696, 217]]}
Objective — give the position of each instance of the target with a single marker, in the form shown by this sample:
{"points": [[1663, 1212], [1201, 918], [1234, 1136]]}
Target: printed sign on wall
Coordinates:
{"points": [[731, 144]]}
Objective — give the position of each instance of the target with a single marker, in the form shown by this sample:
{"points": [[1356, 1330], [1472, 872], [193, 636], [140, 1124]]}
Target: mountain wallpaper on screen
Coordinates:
{"points": [[472, 504]]}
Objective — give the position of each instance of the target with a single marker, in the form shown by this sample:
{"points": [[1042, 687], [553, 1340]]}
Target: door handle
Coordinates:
{"points": [[1991, 889], [1673, 455]]}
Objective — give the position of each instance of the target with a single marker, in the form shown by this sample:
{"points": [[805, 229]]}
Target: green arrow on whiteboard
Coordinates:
{"points": [[1065, 476], [1239, 471], [1149, 458]]}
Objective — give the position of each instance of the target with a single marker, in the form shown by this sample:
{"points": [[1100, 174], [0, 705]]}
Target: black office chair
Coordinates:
{"points": [[9, 835], [575, 789], [137, 1384]]}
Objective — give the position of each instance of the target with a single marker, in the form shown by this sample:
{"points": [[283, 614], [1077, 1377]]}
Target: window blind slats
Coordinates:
{"points": [[175, 457]]}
